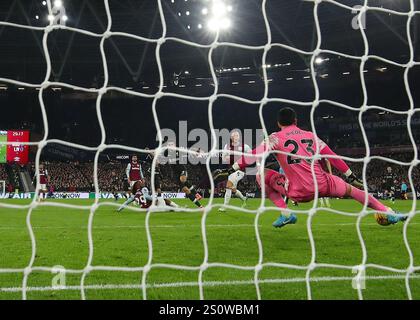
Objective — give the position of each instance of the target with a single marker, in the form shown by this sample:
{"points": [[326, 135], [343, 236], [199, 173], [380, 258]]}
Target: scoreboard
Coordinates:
{"points": [[15, 152]]}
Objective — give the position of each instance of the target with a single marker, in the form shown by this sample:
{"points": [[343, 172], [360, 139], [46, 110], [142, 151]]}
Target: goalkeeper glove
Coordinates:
{"points": [[354, 181], [223, 173]]}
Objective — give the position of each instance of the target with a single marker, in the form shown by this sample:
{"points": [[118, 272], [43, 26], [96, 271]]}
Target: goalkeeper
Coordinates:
{"points": [[298, 181]]}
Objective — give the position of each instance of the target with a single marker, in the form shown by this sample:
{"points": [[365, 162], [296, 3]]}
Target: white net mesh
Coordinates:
{"points": [[205, 265]]}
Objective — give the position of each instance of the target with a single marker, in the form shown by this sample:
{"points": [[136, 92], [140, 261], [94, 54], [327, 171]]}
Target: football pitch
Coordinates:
{"points": [[120, 240]]}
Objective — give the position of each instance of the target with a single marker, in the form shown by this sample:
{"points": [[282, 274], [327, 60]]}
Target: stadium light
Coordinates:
{"points": [[319, 60], [58, 3], [220, 19], [219, 9], [65, 18], [213, 24], [44, 3], [50, 17], [225, 24]]}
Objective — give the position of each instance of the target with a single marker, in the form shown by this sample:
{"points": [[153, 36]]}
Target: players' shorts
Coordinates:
{"points": [[328, 186], [187, 185], [236, 177], [132, 183], [141, 202], [43, 187]]}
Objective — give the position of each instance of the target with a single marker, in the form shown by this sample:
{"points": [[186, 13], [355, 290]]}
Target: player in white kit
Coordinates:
{"points": [[237, 145]]}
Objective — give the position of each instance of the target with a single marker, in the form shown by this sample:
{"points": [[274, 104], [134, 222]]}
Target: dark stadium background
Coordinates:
{"points": [[132, 64]]}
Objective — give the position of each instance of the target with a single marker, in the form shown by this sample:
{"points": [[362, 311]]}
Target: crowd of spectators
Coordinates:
{"points": [[111, 176], [3, 173], [74, 176], [65, 176], [10, 184], [377, 169], [4, 177]]}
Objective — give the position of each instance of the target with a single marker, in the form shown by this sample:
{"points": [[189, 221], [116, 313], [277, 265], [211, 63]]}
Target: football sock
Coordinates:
{"points": [[194, 200], [228, 195], [327, 202], [126, 203], [240, 195]]}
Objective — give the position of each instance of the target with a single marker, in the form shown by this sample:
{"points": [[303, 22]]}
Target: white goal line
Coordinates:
{"points": [[205, 283]]}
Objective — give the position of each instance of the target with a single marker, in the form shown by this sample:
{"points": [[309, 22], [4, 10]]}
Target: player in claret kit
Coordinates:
{"points": [[134, 173], [298, 181], [44, 180], [234, 178], [141, 194], [143, 198]]}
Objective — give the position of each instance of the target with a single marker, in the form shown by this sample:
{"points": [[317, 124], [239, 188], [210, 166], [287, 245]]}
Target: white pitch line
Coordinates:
{"points": [[221, 226], [206, 284], [139, 227]]}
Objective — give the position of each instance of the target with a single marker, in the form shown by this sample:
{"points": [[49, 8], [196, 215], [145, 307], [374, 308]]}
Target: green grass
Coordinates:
{"points": [[120, 240]]}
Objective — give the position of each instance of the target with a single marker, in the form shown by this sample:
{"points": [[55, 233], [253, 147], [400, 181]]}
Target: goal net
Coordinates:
{"points": [[218, 23]]}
